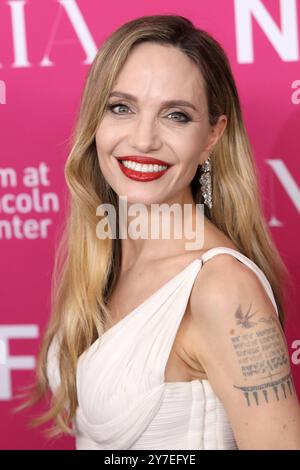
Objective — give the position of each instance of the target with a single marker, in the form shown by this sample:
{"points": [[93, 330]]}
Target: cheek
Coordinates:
{"points": [[190, 134], [102, 150], [189, 149], [106, 136]]}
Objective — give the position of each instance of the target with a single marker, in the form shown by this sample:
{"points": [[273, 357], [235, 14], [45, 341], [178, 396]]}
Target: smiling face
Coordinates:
{"points": [[143, 124]]}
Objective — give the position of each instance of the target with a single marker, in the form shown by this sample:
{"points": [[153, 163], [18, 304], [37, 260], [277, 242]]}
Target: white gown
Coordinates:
{"points": [[124, 402]]}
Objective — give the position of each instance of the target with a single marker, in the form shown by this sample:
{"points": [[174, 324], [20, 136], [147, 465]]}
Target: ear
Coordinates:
{"points": [[214, 136]]}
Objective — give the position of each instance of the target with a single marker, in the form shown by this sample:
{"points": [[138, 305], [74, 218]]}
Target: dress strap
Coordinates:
{"points": [[172, 317], [248, 262]]}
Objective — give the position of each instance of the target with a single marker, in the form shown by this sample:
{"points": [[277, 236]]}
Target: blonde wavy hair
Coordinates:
{"points": [[86, 267]]}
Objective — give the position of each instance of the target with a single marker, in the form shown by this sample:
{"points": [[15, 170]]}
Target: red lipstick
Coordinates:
{"points": [[145, 160], [142, 175]]}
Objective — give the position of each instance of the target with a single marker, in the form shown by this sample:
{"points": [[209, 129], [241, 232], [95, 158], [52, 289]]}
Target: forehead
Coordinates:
{"points": [[156, 71]]}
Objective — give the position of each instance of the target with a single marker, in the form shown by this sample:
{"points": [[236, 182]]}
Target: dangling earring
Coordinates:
{"points": [[205, 181]]}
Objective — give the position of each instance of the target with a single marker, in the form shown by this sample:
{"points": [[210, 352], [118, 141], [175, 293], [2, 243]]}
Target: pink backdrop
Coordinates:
{"points": [[46, 48]]}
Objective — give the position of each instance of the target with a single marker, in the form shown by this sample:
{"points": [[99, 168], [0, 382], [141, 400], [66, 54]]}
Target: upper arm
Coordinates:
{"points": [[240, 343]]}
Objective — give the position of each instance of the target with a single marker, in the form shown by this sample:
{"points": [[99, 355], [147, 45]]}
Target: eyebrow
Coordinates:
{"points": [[128, 96]]}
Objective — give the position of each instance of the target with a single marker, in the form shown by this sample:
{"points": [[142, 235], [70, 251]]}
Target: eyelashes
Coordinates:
{"points": [[111, 107]]}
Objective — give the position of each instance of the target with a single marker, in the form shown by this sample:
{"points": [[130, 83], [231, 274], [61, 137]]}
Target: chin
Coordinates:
{"points": [[144, 197]]}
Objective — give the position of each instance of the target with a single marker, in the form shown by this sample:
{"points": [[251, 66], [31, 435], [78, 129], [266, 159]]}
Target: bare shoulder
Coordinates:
{"points": [[238, 340], [225, 279], [228, 297]]}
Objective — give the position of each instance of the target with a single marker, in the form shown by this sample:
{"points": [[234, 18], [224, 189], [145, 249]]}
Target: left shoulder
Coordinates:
{"points": [[224, 280], [238, 340], [228, 296]]}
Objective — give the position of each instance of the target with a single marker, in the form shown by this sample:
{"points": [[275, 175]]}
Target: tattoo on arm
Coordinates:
{"points": [[261, 355], [276, 386]]}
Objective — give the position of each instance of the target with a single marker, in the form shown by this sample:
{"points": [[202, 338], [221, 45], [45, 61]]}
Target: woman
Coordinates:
{"points": [[153, 345]]}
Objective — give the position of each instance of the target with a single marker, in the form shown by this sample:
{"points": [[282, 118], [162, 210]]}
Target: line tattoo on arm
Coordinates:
{"points": [[276, 386], [262, 356]]}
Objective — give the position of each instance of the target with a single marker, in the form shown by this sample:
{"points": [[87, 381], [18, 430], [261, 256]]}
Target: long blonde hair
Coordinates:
{"points": [[86, 267]]}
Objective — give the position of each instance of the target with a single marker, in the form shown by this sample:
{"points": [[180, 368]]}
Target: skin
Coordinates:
{"points": [[147, 128], [230, 310], [241, 345]]}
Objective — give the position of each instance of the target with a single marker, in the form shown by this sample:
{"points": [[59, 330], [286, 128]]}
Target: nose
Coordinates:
{"points": [[144, 134]]}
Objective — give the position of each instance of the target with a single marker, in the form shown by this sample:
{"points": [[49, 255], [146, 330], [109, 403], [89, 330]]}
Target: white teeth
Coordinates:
{"points": [[144, 168]]}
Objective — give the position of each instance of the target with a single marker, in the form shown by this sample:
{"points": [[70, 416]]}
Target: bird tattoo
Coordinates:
{"points": [[243, 319]]}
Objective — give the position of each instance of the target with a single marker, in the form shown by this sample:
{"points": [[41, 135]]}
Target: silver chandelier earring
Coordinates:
{"points": [[205, 182]]}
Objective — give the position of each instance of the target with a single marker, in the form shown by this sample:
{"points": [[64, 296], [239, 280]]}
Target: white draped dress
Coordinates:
{"points": [[124, 402]]}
